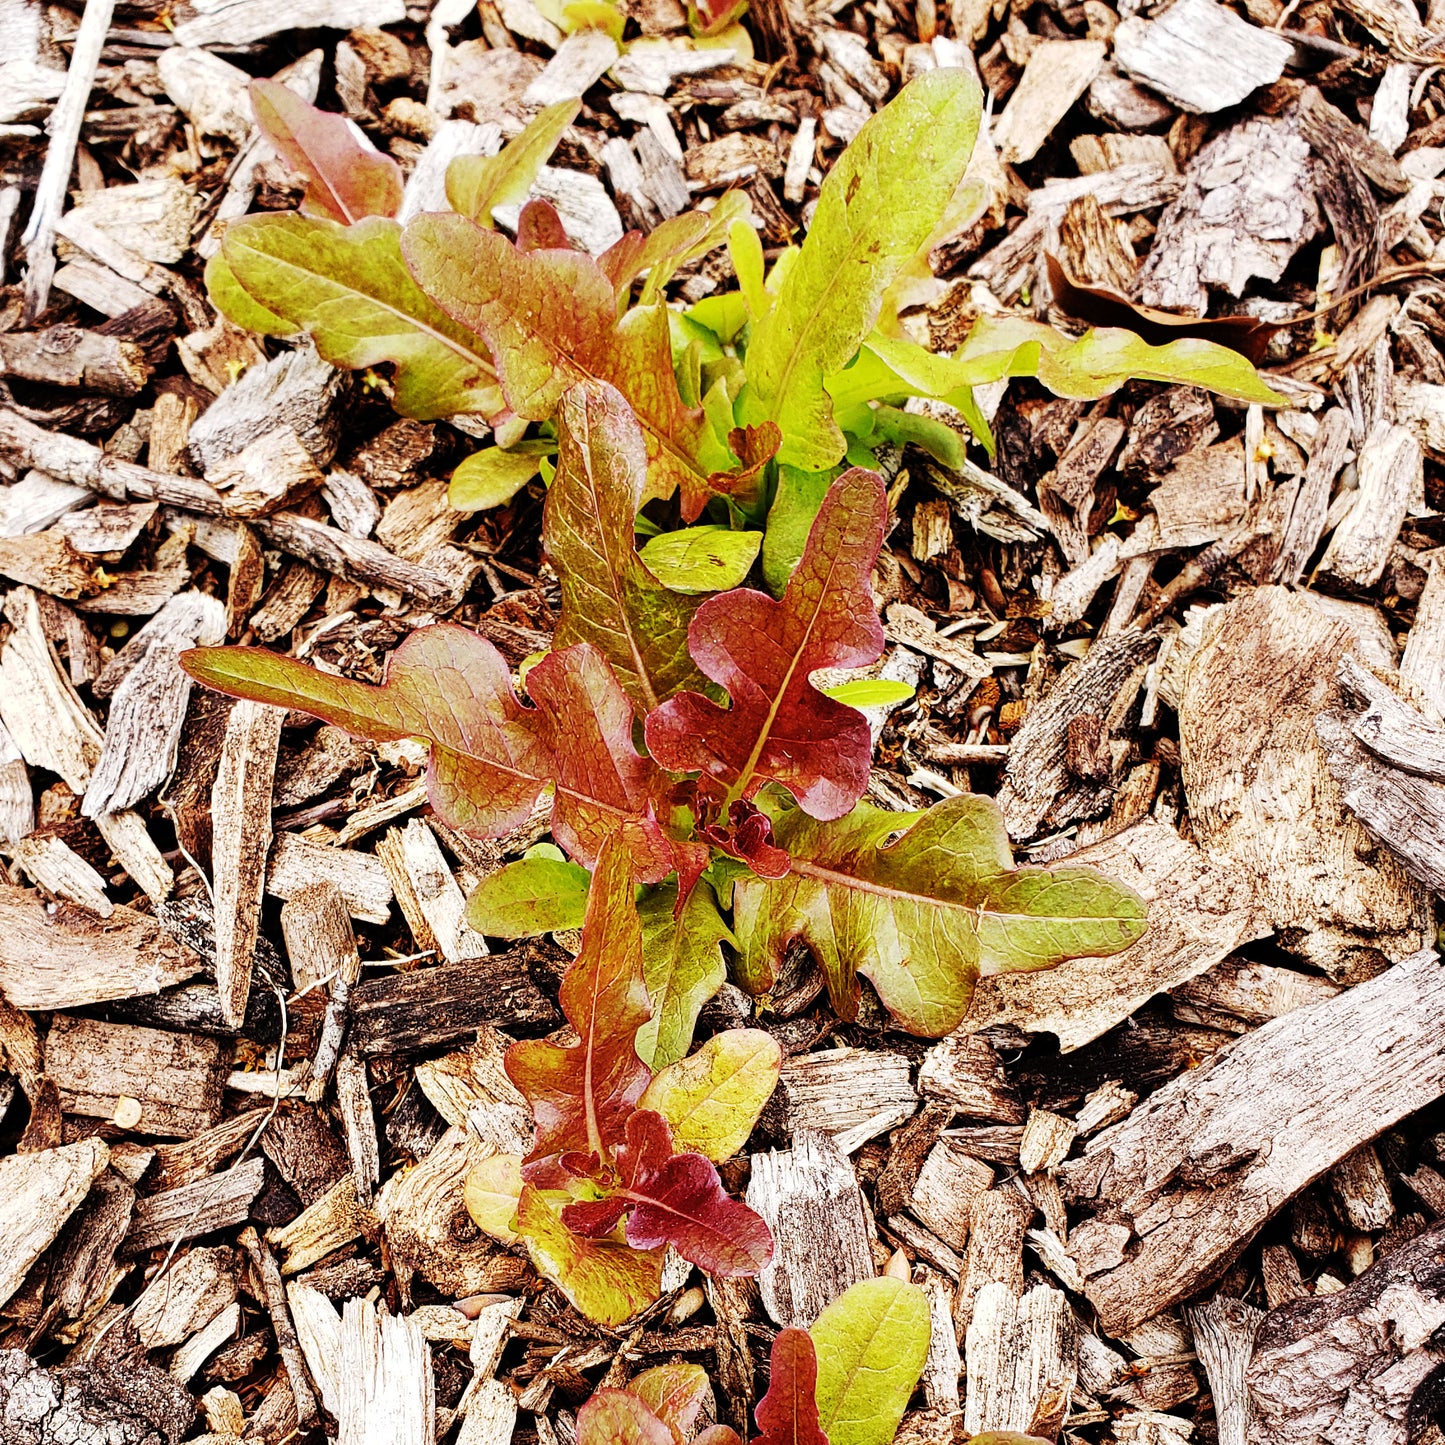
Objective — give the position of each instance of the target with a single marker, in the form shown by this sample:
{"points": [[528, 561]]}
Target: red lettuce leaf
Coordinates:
{"points": [[788, 1413], [550, 319], [675, 1199], [345, 179], [491, 757], [779, 727], [582, 1096]]}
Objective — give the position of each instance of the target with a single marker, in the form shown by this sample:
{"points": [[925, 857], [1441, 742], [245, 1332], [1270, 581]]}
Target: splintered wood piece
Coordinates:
{"points": [[217, 1201], [1022, 1356], [17, 802], [71, 957], [1423, 663], [1198, 1167], [295, 391], [82, 1271], [835, 1090], [811, 1201], [1224, 1331], [1200, 911], [1037, 785], [264, 1263], [240, 840], [430, 1007], [944, 1365], [297, 862], [353, 1100], [968, 1072], [307, 1155], [265, 475], [1392, 481], [1403, 811], [287, 600], [1311, 507], [38, 1193], [427, 1224], [49, 861], [1200, 55], [387, 1390], [332, 1221], [1048, 1137], [1361, 1190], [1202, 496], [195, 1158], [491, 1416], [947, 1186], [318, 1333], [1259, 787], [321, 946], [1057, 74], [1237, 992], [247, 580], [1390, 727], [68, 356], [106, 528], [176, 1078], [1327, 1365], [204, 1343], [148, 704], [427, 891], [42, 712], [472, 1088], [998, 1220], [195, 1289]]}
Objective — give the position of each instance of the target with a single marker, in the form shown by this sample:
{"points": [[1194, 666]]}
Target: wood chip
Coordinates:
{"points": [[1200, 55], [810, 1199], [1247, 723], [1200, 1166]]}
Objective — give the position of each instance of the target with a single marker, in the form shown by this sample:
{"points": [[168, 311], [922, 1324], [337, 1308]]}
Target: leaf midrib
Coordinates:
{"points": [[834, 877], [414, 322]]}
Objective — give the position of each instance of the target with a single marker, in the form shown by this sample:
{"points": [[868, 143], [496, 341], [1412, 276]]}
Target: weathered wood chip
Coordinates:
{"points": [[1198, 1168], [811, 1201], [1260, 793], [70, 957]]}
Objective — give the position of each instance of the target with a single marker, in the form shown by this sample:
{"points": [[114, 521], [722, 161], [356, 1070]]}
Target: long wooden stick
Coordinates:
{"points": [[65, 122]]}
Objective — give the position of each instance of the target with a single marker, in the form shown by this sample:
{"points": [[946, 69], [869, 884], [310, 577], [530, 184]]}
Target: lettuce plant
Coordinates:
{"points": [[844, 1381], [750, 402], [703, 791]]}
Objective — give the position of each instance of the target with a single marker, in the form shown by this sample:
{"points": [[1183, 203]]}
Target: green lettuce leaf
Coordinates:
{"points": [[347, 287], [477, 185], [879, 203], [683, 964], [922, 917], [871, 1344]]}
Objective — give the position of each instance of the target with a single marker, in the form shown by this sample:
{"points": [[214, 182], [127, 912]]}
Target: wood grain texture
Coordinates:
{"points": [[177, 1078], [38, 1193], [1197, 1168], [810, 1198], [427, 1007], [1260, 793], [240, 842]]}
